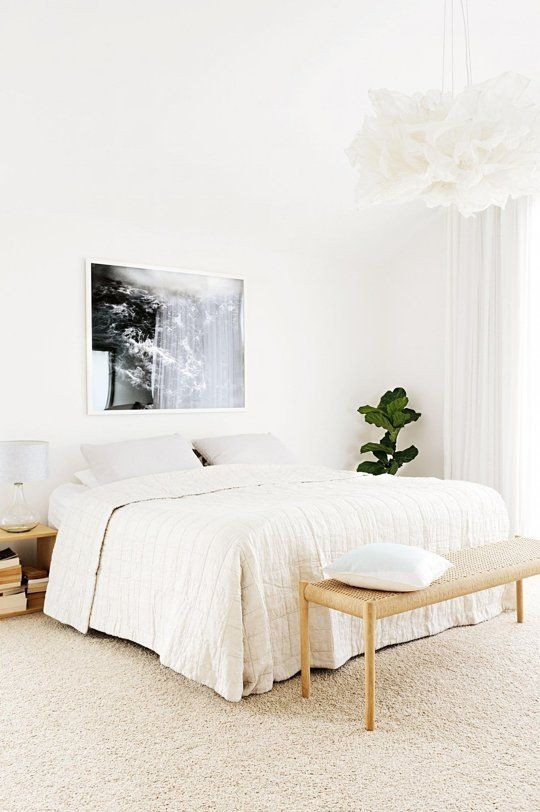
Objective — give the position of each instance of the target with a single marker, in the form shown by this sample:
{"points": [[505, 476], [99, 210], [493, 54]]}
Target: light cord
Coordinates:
{"points": [[467, 42], [468, 37], [448, 11], [443, 51], [452, 45]]}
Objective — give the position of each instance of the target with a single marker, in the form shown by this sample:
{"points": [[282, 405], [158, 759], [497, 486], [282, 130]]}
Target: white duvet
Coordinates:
{"points": [[203, 566]]}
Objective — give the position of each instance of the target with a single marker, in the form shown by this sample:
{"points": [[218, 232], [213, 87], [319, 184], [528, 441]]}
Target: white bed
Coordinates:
{"points": [[202, 566], [61, 500]]}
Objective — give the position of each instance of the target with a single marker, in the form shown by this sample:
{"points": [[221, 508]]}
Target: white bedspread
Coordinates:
{"points": [[203, 566]]}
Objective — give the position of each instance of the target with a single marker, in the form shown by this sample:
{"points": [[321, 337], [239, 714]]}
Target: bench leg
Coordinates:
{"points": [[304, 641], [519, 601], [369, 618]]}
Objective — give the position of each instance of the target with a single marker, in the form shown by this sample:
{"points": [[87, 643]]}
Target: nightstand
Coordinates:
{"points": [[44, 537]]}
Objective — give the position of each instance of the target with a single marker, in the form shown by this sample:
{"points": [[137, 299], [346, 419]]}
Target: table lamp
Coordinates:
{"points": [[21, 461]]}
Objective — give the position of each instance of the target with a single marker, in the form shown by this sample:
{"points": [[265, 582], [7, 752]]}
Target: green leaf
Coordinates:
{"points": [[407, 455], [412, 416], [388, 443], [367, 409], [391, 395], [367, 447], [401, 419], [397, 405], [394, 467], [374, 468], [378, 418]]}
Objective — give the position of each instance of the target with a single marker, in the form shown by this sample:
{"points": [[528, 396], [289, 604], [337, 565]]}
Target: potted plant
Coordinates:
{"points": [[392, 414]]}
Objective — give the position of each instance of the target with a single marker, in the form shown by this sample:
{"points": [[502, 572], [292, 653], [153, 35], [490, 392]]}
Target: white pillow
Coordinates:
{"points": [[87, 478], [389, 567], [130, 458], [247, 448]]}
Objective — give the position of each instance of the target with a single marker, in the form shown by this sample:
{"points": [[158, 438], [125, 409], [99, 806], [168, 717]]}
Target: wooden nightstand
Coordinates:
{"points": [[44, 537]]}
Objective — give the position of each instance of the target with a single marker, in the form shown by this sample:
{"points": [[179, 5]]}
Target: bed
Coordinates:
{"points": [[61, 500], [202, 566]]}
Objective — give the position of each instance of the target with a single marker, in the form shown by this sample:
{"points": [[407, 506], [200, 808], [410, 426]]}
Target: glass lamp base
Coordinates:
{"points": [[18, 517]]}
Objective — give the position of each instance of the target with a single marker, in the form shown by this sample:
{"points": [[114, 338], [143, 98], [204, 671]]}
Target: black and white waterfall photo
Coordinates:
{"points": [[164, 340]]}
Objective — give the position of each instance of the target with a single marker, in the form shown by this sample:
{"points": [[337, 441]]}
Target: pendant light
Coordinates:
{"points": [[471, 150]]}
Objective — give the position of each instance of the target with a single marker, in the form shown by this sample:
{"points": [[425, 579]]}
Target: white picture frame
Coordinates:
{"points": [[142, 268]]}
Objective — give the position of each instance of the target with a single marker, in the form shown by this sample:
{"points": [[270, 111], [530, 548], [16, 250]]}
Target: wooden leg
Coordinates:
{"points": [[304, 641], [519, 601], [370, 619], [44, 551]]}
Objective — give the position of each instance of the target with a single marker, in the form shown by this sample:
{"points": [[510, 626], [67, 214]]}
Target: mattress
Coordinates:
{"points": [[203, 566], [61, 500]]}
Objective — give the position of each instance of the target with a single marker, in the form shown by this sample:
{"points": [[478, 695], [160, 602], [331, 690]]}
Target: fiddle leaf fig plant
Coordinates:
{"points": [[392, 414]]}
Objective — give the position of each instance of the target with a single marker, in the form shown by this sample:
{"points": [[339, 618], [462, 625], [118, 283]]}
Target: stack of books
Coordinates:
{"points": [[12, 593], [35, 582]]}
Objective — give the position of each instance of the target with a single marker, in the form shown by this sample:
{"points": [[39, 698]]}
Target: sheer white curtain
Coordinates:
{"points": [[493, 353], [529, 435]]}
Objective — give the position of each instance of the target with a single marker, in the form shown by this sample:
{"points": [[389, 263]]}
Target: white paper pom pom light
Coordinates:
{"points": [[473, 150]]}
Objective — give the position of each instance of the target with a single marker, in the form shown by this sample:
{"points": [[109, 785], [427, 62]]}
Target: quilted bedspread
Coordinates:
{"points": [[202, 566]]}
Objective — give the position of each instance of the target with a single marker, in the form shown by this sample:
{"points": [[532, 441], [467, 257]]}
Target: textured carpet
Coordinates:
{"points": [[93, 723]]}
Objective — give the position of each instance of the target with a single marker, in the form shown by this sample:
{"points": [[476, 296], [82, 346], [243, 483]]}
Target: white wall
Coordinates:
{"points": [[301, 383], [210, 135], [407, 292]]}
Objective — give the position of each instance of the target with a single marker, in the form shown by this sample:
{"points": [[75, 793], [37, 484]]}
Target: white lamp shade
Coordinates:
{"points": [[24, 460]]}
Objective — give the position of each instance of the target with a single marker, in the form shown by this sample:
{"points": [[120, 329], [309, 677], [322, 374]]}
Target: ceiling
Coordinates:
{"points": [[228, 118]]}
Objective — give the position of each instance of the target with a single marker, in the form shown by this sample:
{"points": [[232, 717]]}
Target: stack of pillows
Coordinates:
{"points": [[158, 455]]}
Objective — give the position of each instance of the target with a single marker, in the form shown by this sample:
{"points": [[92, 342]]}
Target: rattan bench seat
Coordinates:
{"points": [[475, 569]]}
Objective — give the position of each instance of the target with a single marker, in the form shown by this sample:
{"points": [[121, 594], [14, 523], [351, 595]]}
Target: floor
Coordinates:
{"points": [[93, 723]]}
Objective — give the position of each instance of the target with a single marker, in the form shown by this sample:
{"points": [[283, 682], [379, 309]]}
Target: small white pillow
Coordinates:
{"points": [[388, 567], [264, 449], [87, 478], [130, 458]]}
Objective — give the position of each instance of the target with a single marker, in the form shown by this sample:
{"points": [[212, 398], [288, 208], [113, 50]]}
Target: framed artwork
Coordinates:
{"points": [[163, 339]]}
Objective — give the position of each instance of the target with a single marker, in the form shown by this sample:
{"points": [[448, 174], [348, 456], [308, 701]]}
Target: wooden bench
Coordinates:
{"points": [[475, 569]]}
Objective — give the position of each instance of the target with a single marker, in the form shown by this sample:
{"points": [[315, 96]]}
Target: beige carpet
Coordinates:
{"points": [[92, 723]]}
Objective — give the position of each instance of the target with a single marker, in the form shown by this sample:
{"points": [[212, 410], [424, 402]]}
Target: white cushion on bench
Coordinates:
{"points": [[388, 567]]}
